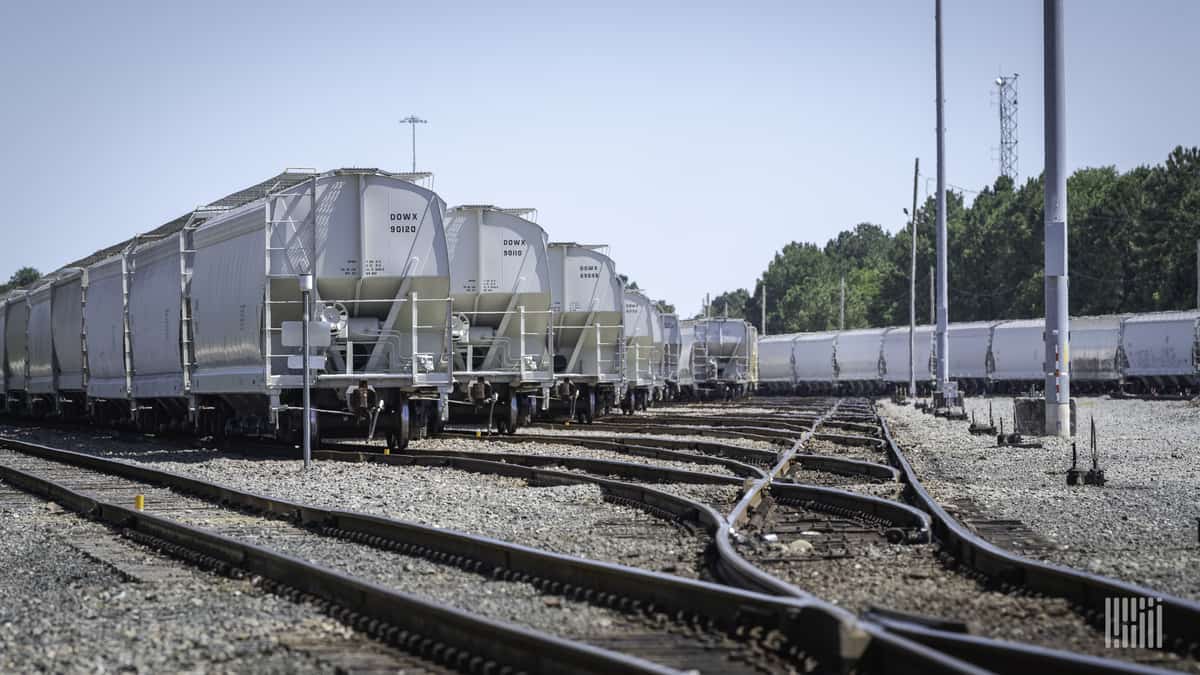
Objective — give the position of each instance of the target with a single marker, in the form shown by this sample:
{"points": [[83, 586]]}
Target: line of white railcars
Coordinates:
{"points": [[421, 313], [1157, 352]]}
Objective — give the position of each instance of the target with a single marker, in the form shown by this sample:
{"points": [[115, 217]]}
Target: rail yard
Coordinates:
{"points": [[334, 422]]}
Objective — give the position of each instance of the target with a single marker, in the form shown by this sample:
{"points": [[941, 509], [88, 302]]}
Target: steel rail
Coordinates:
{"points": [[997, 655], [831, 636], [443, 634], [1181, 617]]}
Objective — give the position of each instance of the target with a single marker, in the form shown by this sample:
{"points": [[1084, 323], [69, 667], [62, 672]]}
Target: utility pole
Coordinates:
{"points": [[1058, 382], [943, 305], [763, 322], [912, 287], [932, 296], [842, 314], [413, 121]]}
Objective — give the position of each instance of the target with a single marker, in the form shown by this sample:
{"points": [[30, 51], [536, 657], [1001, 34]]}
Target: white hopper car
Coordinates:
{"points": [[587, 300], [194, 326], [500, 286], [1141, 353], [724, 357], [644, 378]]}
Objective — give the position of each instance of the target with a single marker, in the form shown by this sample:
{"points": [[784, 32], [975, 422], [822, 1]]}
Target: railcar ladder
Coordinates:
{"points": [[287, 195]]}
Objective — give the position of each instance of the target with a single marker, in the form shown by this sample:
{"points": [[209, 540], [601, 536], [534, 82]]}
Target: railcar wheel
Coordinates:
{"points": [[399, 435], [509, 416], [588, 412]]}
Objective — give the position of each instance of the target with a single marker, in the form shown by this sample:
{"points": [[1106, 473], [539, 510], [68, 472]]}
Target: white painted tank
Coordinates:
{"points": [[67, 318], [1018, 350], [16, 321], [895, 354], [499, 265], [1163, 344], [969, 345], [858, 354], [643, 339], [156, 293], [104, 317], [776, 362], [378, 240], [814, 358], [587, 301], [1096, 348]]}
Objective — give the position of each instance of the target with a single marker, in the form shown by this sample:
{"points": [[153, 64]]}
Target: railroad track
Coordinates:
{"points": [[954, 594], [649, 622]]}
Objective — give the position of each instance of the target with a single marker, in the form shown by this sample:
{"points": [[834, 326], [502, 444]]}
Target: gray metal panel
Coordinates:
{"points": [[104, 321], [1018, 350], [1163, 344], [776, 361], [1095, 348], [227, 293], [969, 345], [155, 305], [376, 236], [687, 341], [498, 262], [725, 337], [814, 357], [643, 338], [41, 343], [16, 357], [67, 318], [3, 357], [585, 291], [858, 353], [895, 354]]}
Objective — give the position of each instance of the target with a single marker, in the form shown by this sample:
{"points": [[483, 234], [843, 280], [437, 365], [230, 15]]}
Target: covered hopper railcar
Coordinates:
{"points": [[501, 323], [643, 352], [859, 359], [587, 302]]}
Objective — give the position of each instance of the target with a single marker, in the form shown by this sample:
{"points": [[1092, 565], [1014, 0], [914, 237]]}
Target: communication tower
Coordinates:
{"points": [[1007, 89]]}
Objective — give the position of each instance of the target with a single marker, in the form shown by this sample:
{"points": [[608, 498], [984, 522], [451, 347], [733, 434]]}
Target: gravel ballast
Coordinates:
{"points": [[698, 437], [572, 519], [1141, 527], [62, 610], [449, 444]]}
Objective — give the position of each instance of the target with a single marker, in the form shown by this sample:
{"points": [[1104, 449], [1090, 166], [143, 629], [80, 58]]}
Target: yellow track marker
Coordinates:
{"points": [[139, 502]]}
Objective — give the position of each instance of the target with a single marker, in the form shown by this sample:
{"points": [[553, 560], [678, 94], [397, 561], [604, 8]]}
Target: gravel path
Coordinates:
{"points": [[571, 519], [62, 610], [1141, 527]]}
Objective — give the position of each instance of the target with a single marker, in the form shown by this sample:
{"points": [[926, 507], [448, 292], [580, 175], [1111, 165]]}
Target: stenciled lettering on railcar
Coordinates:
{"points": [[589, 271], [398, 223], [512, 248]]}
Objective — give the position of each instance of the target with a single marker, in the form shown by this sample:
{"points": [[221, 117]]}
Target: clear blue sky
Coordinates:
{"points": [[695, 140]]}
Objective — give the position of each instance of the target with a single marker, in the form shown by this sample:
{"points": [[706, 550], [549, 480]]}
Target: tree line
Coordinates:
{"points": [[1132, 246]]}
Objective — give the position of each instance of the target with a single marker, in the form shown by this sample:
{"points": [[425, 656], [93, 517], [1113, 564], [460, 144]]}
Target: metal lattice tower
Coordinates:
{"points": [[1007, 86]]}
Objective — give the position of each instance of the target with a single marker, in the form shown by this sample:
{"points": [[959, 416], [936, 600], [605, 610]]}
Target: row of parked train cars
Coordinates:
{"points": [[1134, 353], [421, 313]]}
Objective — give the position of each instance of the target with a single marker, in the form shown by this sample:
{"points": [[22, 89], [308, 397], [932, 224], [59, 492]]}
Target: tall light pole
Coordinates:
{"points": [[1058, 381], [943, 309], [763, 321], [912, 285], [413, 121]]}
